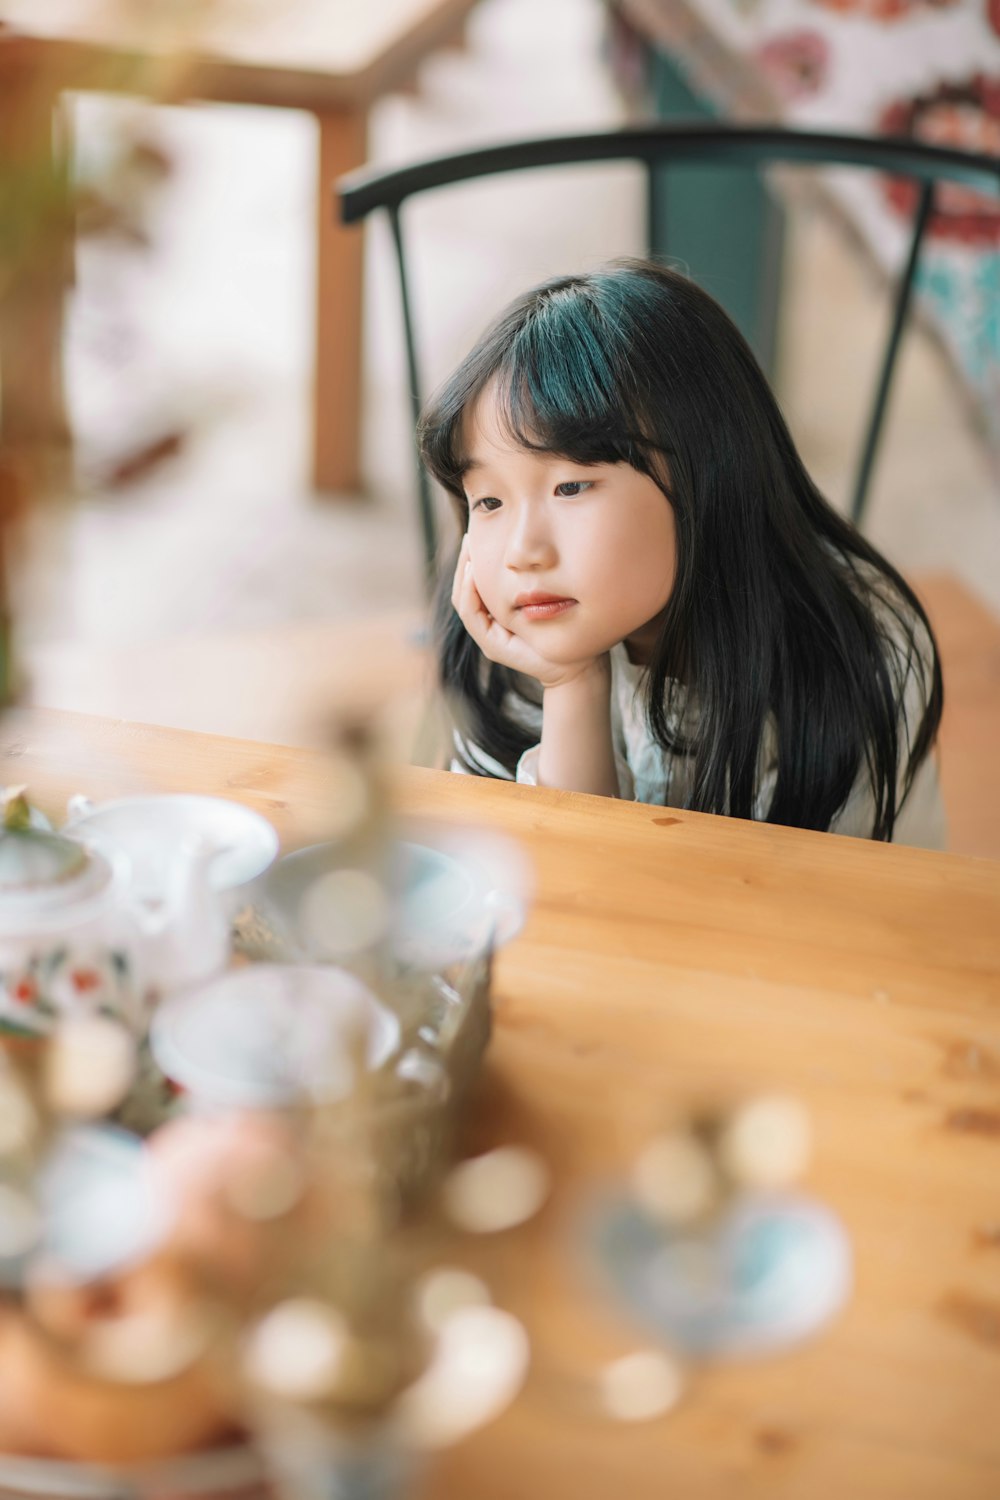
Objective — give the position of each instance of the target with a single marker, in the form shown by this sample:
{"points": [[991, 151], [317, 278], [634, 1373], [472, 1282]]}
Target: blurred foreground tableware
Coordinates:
{"points": [[67, 941], [99, 1206], [149, 831], [452, 896], [181, 863], [711, 1249], [269, 1034], [773, 1272], [452, 891], [107, 1354]]}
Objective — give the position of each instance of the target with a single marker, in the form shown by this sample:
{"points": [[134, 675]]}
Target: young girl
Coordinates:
{"points": [[652, 599]]}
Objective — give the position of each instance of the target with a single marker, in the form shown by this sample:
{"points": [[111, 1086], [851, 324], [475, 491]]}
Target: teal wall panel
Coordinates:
{"points": [[721, 224]]}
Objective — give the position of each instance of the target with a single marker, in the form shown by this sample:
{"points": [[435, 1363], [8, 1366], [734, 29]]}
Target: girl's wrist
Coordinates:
{"points": [[577, 751], [590, 681]]}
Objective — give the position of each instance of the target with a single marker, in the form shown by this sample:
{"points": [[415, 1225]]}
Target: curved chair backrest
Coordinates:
{"points": [[657, 146]]}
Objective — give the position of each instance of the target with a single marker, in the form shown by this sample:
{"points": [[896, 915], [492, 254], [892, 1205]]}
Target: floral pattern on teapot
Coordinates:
{"points": [[61, 981]]}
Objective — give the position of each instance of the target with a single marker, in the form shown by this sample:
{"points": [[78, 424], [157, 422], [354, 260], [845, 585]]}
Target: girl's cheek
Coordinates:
{"points": [[485, 592], [482, 572]]}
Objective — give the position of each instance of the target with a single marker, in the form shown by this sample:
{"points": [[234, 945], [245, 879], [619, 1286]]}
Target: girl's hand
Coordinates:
{"points": [[501, 645]]}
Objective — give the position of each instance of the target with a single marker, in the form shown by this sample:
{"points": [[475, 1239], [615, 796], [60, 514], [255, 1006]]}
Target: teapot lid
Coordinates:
{"points": [[33, 859]]}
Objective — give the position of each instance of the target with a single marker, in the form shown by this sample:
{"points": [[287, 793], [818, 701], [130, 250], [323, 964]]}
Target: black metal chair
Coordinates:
{"points": [[660, 146]]}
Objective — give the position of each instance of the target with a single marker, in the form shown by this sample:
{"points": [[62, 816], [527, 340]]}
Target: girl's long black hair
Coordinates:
{"points": [[780, 609]]}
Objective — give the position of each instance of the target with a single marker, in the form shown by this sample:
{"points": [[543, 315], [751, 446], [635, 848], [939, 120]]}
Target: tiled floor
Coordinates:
{"points": [[214, 327]]}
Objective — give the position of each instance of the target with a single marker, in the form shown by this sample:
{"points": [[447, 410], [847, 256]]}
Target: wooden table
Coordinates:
{"points": [[672, 958], [332, 58]]}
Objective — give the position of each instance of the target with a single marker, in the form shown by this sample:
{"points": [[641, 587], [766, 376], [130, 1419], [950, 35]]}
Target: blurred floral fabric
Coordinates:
{"points": [[929, 69]]}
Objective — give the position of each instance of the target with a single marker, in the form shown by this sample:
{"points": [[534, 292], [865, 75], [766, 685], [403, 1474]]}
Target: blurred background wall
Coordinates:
{"points": [[187, 594]]}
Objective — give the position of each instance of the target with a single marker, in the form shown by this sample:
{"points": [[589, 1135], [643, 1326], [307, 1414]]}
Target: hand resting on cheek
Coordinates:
{"points": [[505, 647]]}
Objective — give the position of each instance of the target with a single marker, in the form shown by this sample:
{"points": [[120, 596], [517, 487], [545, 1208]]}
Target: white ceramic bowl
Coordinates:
{"points": [[259, 1035], [454, 890]]}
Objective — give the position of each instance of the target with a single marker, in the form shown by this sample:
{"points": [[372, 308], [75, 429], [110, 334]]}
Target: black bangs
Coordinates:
{"points": [[562, 389], [557, 365]]}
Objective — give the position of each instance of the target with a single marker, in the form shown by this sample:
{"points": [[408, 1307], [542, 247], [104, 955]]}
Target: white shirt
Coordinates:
{"points": [[648, 773]]}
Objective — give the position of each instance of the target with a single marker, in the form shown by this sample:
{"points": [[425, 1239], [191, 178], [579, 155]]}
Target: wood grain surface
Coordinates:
{"points": [[671, 960]]}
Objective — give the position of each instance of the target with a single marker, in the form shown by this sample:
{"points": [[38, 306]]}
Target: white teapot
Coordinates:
{"points": [[112, 912], [184, 862], [66, 944]]}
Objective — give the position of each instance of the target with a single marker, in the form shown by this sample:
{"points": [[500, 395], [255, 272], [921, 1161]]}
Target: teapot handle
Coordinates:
{"points": [[79, 806]]}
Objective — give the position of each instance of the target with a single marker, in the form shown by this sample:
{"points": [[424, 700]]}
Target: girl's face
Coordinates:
{"points": [[575, 558]]}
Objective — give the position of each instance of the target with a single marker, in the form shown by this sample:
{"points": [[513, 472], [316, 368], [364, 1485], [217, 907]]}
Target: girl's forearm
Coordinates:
{"points": [[577, 752]]}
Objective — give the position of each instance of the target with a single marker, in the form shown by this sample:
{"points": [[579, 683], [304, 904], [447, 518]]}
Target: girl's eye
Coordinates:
{"points": [[573, 487], [488, 503]]}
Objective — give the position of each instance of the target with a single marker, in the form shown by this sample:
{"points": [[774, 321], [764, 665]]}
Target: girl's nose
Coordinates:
{"points": [[529, 543]]}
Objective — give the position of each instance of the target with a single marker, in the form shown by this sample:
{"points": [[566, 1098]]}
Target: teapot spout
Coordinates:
{"points": [[79, 806], [186, 929]]}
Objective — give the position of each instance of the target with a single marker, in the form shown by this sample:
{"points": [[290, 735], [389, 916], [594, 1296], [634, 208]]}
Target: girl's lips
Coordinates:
{"points": [[545, 609]]}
